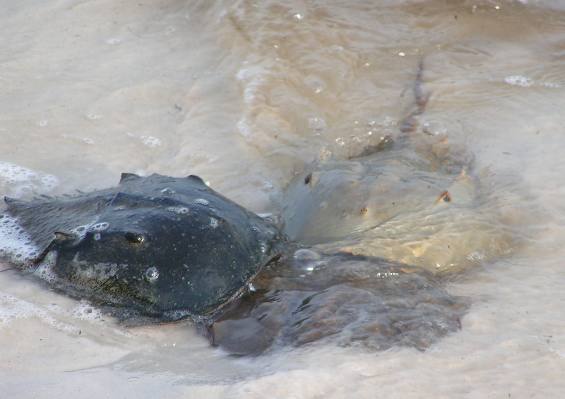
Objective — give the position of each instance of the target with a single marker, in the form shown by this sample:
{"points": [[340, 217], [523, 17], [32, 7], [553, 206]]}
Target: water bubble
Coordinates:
{"points": [[150, 141], [114, 40], [340, 141], [201, 201], [99, 226], [518, 80], [168, 191], [387, 275], [93, 116], [306, 259], [97, 236], [251, 287], [80, 230], [476, 256], [306, 254], [434, 128], [181, 210], [151, 274], [551, 85]]}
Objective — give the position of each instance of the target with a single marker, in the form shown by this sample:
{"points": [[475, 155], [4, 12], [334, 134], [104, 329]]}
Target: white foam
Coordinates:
{"points": [[150, 141], [17, 181], [253, 78], [15, 243], [519, 80], [244, 128], [551, 85], [45, 269], [113, 41]]}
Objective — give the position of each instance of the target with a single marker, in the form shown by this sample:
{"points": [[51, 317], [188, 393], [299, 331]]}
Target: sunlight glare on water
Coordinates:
{"points": [[250, 94]]}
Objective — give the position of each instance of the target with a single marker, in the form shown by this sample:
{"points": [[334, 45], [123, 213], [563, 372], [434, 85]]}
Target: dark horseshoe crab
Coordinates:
{"points": [[161, 246]]}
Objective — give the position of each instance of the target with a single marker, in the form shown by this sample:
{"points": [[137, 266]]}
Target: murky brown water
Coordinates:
{"points": [[250, 94]]}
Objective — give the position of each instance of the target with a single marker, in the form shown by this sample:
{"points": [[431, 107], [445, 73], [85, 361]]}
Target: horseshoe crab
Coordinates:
{"points": [[162, 246]]}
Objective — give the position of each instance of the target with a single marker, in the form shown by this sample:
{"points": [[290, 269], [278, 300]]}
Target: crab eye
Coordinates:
{"points": [[134, 238]]}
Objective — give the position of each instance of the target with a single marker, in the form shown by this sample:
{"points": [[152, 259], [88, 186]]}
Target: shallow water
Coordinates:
{"points": [[248, 94]]}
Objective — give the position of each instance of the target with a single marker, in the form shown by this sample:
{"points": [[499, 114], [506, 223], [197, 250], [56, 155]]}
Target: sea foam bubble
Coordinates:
{"points": [[15, 243], [17, 181]]}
